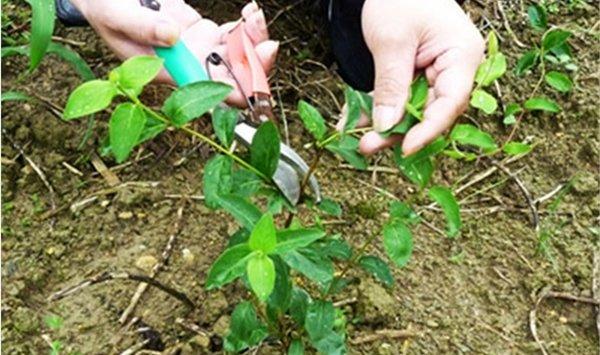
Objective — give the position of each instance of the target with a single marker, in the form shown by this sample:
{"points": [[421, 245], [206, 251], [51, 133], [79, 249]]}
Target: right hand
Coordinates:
{"points": [[130, 29]]}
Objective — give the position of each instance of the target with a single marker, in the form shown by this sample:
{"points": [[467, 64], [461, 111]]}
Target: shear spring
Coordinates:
{"points": [[215, 59]]}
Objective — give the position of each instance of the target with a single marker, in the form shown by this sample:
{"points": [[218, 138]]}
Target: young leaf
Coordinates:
{"points": [[265, 149], [279, 301], [559, 81], [334, 247], [53, 321], [482, 100], [246, 329], [89, 97], [312, 119], [261, 274], [418, 167], [398, 242], [366, 103], [229, 266], [541, 104], [347, 148], [330, 207], [14, 96], [516, 148], [400, 211], [263, 237], [378, 268], [443, 197], [217, 179], [419, 90], [537, 17], [509, 113], [492, 46], [74, 59], [310, 264], [137, 71], [554, 38], [125, 127], [491, 69], [243, 211], [471, 135], [43, 13], [223, 122], [245, 183], [353, 101], [527, 61], [194, 100], [288, 240], [296, 347], [152, 129]]}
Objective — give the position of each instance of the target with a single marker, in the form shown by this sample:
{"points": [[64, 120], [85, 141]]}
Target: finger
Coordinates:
{"points": [[431, 74], [267, 54], [451, 94], [145, 26], [185, 14], [256, 27], [249, 9], [394, 68], [372, 142]]}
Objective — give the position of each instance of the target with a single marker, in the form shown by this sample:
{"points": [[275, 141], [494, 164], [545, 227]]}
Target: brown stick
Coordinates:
{"points": [[110, 276], [155, 270]]}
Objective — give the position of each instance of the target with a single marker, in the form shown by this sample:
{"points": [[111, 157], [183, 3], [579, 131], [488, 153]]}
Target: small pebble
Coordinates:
{"points": [[104, 203], [146, 262], [188, 256], [563, 319], [126, 215], [432, 324]]}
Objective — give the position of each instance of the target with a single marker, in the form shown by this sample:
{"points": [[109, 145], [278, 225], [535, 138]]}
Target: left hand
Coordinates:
{"points": [[404, 36]]}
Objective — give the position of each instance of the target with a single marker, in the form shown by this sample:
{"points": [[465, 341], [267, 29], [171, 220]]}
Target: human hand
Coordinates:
{"points": [[407, 36], [130, 29]]}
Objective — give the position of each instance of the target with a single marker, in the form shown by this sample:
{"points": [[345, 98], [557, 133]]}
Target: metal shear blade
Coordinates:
{"points": [[291, 169]]}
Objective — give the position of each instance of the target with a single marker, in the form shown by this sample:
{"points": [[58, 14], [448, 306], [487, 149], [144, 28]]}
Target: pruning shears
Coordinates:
{"points": [[246, 68]]}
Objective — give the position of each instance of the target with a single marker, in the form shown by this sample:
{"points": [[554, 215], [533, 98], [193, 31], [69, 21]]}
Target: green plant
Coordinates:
{"points": [[54, 322]]}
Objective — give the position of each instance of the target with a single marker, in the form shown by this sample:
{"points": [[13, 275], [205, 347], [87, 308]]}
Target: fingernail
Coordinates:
{"points": [[167, 33], [384, 118]]}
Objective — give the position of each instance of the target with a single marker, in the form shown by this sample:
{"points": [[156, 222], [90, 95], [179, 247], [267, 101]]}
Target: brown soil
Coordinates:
{"points": [[472, 294]]}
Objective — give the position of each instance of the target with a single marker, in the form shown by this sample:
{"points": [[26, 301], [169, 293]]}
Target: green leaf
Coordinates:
{"points": [[470, 135], [554, 38], [243, 211], [527, 61], [509, 120], [289, 240], [541, 104], [353, 103], [418, 167], [261, 274], [492, 44], [516, 148], [223, 122], [194, 100], [152, 129], [217, 179], [14, 50], [559, 81], [264, 236], [330, 207], [312, 119], [296, 347], [320, 316], [299, 304], [246, 329], [419, 90], [482, 100], [89, 97], [366, 103], [398, 242], [74, 59], [537, 17], [310, 264], [347, 148], [229, 266], [125, 127], [400, 211], [245, 183], [137, 71], [265, 149], [280, 299], [491, 69], [443, 197], [43, 13], [331, 343], [334, 247], [509, 113], [378, 268], [53, 321], [14, 96]]}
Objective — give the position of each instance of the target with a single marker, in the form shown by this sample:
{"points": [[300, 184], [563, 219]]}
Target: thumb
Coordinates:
{"points": [[142, 25], [394, 68]]}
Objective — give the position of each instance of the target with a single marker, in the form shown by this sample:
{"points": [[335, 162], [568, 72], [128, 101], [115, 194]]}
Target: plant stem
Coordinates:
{"points": [[202, 137], [336, 135]]}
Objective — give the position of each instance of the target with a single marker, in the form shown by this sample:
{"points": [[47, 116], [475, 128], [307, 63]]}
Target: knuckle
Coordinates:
{"points": [[389, 87]]}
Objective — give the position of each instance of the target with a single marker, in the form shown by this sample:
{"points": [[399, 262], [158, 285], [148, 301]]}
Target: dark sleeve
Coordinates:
{"points": [[68, 14]]}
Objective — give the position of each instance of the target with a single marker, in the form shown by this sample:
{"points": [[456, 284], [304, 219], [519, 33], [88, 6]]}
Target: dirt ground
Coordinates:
{"points": [[473, 294]]}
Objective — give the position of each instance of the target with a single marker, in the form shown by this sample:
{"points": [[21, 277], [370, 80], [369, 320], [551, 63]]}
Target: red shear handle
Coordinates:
{"points": [[245, 63]]}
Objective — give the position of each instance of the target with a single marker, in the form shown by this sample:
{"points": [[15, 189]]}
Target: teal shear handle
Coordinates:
{"points": [[181, 64]]}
